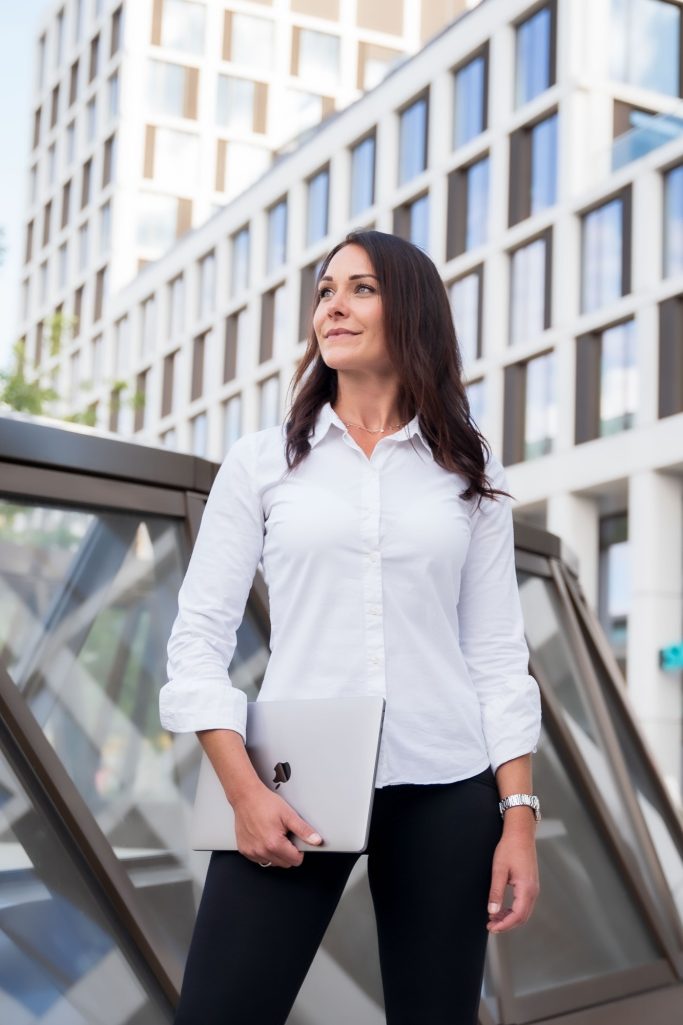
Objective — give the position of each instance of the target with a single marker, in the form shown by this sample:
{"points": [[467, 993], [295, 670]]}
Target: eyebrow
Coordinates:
{"points": [[352, 277]]}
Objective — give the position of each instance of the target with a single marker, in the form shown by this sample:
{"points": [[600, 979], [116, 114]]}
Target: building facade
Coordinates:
{"points": [[535, 150]]}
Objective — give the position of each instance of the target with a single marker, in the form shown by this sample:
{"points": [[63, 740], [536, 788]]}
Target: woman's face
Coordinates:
{"points": [[348, 321]]}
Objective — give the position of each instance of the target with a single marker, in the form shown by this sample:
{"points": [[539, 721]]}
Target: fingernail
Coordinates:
{"points": [[494, 908], [315, 838]]}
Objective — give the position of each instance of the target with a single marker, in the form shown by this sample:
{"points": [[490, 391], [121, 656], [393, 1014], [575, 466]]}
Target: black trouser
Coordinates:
{"points": [[429, 851]]}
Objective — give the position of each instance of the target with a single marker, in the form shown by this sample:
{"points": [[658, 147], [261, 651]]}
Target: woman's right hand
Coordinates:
{"points": [[262, 821]]}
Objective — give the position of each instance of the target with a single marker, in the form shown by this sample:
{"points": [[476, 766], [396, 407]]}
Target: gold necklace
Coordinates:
{"points": [[371, 430]]}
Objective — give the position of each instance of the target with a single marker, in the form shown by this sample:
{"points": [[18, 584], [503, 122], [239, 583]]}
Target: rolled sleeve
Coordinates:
{"points": [[491, 627], [198, 693]]}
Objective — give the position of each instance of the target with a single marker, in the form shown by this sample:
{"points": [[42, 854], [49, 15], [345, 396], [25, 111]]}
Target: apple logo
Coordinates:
{"points": [[283, 771]]}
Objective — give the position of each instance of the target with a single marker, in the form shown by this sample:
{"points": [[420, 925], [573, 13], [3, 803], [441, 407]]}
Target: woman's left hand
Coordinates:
{"points": [[514, 863]]}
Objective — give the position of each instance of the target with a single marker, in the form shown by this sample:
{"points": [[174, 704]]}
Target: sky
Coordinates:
{"points": [[18, 26]]}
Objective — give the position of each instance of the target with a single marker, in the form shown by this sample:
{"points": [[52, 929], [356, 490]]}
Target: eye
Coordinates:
{"points": [[323, 291], [369, 287]]}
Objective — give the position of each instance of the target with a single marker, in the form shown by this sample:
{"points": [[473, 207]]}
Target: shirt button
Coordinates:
{"points": [[374, 659], [373, 556], [374, 609]]}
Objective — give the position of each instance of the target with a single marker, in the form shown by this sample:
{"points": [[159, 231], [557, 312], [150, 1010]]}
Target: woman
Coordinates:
{"points": [[390, 568]]}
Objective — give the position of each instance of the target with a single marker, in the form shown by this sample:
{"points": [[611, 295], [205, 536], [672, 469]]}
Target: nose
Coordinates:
{"points": [[337, 306]]}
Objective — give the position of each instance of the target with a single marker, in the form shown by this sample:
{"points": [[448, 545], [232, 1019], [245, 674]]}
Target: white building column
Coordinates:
{"points": [[656, 614], [576, 519]]}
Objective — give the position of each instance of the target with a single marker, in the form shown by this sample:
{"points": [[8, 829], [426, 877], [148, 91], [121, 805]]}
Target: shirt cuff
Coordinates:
{"points": [[185, 707], [512, 720]]}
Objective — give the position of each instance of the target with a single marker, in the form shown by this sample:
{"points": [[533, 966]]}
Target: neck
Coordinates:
{"points": [[369, 410]]}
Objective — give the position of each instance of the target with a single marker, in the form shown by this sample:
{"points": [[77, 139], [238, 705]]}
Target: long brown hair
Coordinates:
{"points": [[423, 347]]}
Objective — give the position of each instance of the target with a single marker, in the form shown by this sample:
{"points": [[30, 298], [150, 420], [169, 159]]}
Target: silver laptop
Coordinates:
{"points": [[319, 754]]}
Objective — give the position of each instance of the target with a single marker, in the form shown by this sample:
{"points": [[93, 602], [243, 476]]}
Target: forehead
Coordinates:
{"points": [[351, 259]]}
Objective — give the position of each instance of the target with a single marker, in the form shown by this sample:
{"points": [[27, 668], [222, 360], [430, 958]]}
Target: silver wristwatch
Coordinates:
{"points": [[514, 800]]}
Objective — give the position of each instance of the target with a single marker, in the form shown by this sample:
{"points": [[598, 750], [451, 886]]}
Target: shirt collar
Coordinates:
{"points": [[327, 418]]}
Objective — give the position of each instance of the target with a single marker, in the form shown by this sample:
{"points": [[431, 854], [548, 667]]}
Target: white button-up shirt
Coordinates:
{"points": [[381, 580]]}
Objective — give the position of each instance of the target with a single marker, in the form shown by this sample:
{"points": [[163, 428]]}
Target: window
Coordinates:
{"points": [[172, 159], [248, 41], [140, 404], [36, 128], [157, 221], [412, 140], [105, 229], [235, 341], [33, 187], [109, 161], [115, 35], [465, 296], [100, 293], [54, 107], [91, 119], [269, 402], [470, 100], [42, 283], [148, 319], [66, 199], [277, 235], [315, 59], [78, 310], [317, 206], [47, 222], [121, 347], [59, 38], [606, 256], [468, 207], [671, 356], [198, 434], [86, 183], [614, 582], [70, 142], [530, 409], [274, 323], [533, 169], [673, 222], [182, 26], [374, 63], [607, 382], [530, 282], [232, 422], [52, 163], [362, 175], [235, 103], [476, 396], [200, 348], [38, 351], [83, 246], [239, 271], [74, 374], [28, 253], [238, 164], [113, 95], [73, 83], [645, 41], [96, 359], [411, 221], [294, 110], [78, 20], [170, 392], [535, 70], [176, 306], [41, 61], [94, 57], [62, 265], [172, 89], [206, 292]]}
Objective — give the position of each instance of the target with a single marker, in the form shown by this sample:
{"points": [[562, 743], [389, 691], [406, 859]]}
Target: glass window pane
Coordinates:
{"points": [[527, 291], [464, 297], [363, 175], [469, 108], [176, 160], [252, 41], [157, 217], [544, 164], [602, 256], [618, 378], [319, 60], [277, 236], [476, 396], [673, 222], [232, 422], [235, 103], [294, 110], [413, 140], [317, 213], [533, 56], [540, 413], [239, 280], [182, 25], [165, 88], [198, 430], [244, 164], [269, 411], [645, 44], [477, 204], [206, 299], [419, 222]]}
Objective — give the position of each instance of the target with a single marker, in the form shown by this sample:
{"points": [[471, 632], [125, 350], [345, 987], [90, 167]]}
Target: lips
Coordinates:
{"points": [[336, 333]]}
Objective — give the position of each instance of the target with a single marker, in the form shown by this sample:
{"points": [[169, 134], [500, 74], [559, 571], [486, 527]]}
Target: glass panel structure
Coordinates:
{"points": [[477, 230], [544, 164], [534, 43], [182, 25], [239, 274], [601, 269], [418, 222], [176, 160], [618, 378], [673, 222], [319, 60], [540, 419], [317, 206], [165, 88], [469, 107], [252, 41], [362, 176], [412, 158], [232, 422], [277, 236], [645, 44], [527, 291], [465, 297], [235, 103]]}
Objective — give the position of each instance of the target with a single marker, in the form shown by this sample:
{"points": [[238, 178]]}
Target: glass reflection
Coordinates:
{"points": [[533, 56], [413, 140], [527, 291], [601, 278], [469, 106], [363, 175], [645, 44], [477, 230], [464, 297], [618, 378], [673, 222], [540, 415], [182, 25], [544, 164], [418, 223]]}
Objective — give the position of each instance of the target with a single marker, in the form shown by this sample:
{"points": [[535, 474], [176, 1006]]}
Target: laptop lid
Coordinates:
{"points": [[319, 754]]}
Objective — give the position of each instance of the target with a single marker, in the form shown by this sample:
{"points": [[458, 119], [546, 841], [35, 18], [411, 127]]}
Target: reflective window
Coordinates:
{"points": [[540, 413], [544, 164], [477, 230], [469, 107], [176, 160], [105, 228], [206, 290], [464, 296], [294, 110], [281, 313], [148, 323], [269, 402], [91, 119], [319, 59], [601, 274], [645, 44], [277, 235], [165, 88], [317, 206], [157, 219], [534, 42], [70, 142], [245, 163], [412, 140], [83, 245], [527, 291], [182, 25], [113, 95], [121, 347], [618, 378], [476, 396], [418, 222], [614, 583], [235, 103], [198, 434], [673, 221], [239, 272], [62, 266], [362, 175], [232, 422], [251, 41], [176, 306]]}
